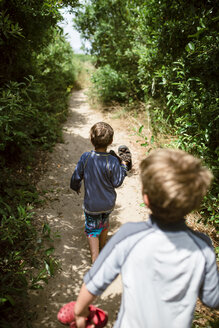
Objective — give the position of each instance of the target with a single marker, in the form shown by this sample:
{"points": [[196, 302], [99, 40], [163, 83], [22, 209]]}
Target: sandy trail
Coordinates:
{"points": [[63, 211]]}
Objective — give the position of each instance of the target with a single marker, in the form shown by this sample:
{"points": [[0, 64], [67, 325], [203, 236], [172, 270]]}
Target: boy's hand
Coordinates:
{"points": [[115, 155], [78, 192], [81, 322], [124, 163], [81, 309]]}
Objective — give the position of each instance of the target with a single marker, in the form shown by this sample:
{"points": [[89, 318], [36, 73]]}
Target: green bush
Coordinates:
{"points": [[37, 74], [32, 110], [109, 85], [56, 69], [16, 233], [20, 252]]}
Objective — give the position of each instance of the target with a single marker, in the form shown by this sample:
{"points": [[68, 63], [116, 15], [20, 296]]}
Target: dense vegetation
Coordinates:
{"points": [[163, 52], [37, 73]]}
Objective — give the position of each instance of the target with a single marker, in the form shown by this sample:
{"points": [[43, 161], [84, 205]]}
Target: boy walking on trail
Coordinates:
{"points": [[102, 172], [164, 264]]}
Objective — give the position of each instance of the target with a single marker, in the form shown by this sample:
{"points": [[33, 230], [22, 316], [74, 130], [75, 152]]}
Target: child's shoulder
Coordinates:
{"points": [[200, 237], [113, 159], [85, 154], [132, 229]]}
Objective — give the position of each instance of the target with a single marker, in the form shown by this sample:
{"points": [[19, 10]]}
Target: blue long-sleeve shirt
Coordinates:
{"points": [[102, 173]]}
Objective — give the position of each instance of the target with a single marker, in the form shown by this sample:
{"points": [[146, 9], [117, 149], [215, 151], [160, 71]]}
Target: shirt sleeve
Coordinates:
{"points": [[105, 269], [77, 175], [108, 264], [118, 174], [209, 292], [111, 259]]}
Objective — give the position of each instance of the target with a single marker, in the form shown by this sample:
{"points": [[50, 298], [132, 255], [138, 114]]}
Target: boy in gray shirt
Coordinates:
{"points": [[165, 266]]}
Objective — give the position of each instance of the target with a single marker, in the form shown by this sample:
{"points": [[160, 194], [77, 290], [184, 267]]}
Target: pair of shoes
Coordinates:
{"points": [[97, 316], [124, 155]]}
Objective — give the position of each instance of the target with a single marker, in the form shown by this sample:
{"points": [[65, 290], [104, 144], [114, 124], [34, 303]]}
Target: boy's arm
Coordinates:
{"points": [[118, 174], [109, 264], [102, 273], [209, 292], [81, 311], [77, 176], [112, 257]]}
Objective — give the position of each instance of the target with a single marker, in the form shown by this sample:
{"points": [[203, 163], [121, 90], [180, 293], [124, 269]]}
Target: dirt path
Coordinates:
{"points": [[63, 212]]}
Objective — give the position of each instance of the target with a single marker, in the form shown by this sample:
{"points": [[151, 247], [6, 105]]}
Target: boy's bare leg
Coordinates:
{"points": [[94, 247], [103, 238]]}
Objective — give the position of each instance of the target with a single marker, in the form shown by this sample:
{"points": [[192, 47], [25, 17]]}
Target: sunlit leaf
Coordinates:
{"points": [[190, 47]]}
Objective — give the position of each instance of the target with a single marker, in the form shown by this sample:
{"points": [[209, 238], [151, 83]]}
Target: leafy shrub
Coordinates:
{"points": [[32, 110], [16, 233], [37, 74], [56, 69], [109, 84], [23, 123], [19, 252]]}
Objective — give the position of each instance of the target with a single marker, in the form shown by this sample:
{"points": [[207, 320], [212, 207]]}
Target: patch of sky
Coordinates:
{"points": [[72, 36]]}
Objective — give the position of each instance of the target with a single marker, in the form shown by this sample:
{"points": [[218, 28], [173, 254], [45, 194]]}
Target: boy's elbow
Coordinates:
{"points": [[212, 304], [211, 299], [117, 184], [75, 186], [72, 185]]}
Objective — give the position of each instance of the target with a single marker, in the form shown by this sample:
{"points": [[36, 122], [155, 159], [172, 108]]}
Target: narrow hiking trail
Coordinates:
{"points": [[62, 210]]}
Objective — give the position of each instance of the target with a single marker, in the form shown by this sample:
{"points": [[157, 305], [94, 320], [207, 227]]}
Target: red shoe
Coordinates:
{"points": [[97, 316]]}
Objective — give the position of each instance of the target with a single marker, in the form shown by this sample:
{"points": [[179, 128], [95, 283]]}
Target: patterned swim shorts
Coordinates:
{"points": [[95, 224]]}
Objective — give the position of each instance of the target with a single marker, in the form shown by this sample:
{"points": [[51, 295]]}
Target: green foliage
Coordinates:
{"points": [[37, 74], [108, 84], [57, 71], [36, 77], [26, 27], [16, 234], [32, 110], [19, 253], [144, 140], [108, 25], [18, 115]]}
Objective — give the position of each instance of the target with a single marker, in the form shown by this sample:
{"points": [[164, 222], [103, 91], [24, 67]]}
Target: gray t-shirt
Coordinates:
{"points": [[163, 268]]}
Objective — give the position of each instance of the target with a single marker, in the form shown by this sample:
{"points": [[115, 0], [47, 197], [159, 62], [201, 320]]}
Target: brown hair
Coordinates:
{"points": [[175, 183], [101, 134]]}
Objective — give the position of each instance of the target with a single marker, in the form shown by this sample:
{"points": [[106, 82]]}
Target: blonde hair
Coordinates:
{"points": [[175, 183], [101, 134]]}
